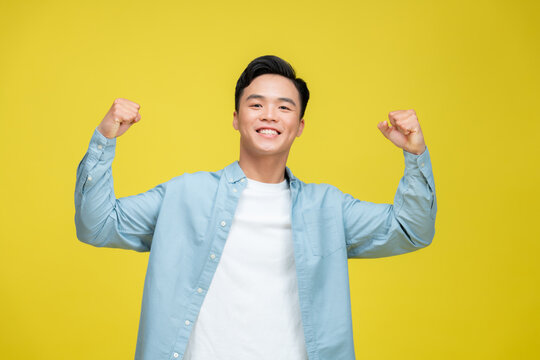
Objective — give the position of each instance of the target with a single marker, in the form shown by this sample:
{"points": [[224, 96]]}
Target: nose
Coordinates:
{"points": [[268, 114]]}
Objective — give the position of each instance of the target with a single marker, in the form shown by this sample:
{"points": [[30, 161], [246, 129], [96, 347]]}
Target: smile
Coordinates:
{"points": [[267, 131]]}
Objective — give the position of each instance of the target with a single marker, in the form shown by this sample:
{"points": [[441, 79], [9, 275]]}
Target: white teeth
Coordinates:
{"points": [[268, 132]]}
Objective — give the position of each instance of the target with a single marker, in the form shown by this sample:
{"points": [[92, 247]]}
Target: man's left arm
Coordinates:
{"points": [[378, 230]]}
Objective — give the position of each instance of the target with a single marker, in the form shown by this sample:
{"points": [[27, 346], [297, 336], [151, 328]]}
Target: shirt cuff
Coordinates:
{"points": [[420, 162], [101, 147]]}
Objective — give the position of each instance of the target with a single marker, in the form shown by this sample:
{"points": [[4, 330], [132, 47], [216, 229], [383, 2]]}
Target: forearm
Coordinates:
{"points": [[94, 190], [415, 203]]}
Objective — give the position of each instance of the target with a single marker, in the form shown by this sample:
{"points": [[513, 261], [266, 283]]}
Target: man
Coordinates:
{"points": [[249, 262]]}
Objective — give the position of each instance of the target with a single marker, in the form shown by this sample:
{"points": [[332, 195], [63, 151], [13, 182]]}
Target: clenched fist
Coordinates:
{"points": [[405, 131], [122, 114]]}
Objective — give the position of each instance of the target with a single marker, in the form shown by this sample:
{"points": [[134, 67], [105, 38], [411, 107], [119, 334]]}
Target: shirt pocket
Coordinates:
{"points": [[322, 230]]}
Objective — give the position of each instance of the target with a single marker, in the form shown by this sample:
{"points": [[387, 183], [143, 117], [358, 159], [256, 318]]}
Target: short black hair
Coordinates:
{"points": [[270, 64]]}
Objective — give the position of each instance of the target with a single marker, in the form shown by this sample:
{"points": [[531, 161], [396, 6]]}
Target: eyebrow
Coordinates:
{"points": [[257, 96]]}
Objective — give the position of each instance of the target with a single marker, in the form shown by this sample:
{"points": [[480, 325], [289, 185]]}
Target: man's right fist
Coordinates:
{"points": [[122, 114]]}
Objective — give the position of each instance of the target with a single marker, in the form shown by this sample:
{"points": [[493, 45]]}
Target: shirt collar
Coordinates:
{"points": [[234, 173]]}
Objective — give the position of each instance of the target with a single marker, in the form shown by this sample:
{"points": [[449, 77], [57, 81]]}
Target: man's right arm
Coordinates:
{"points": [[100, 218]]}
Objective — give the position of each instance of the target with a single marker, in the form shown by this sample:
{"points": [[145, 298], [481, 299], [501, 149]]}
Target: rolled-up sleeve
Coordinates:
{"points": [[378, 230], [100, 218]]}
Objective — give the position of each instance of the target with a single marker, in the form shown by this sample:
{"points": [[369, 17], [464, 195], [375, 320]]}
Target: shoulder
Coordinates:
{"points": [[322, 188], [320, 194], [198, 178]]}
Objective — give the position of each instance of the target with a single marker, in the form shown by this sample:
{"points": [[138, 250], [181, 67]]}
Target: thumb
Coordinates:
{"points": [[384, 128]]}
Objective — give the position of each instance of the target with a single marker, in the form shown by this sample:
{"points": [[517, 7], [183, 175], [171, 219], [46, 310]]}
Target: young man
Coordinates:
{"points": [[249, 262]]}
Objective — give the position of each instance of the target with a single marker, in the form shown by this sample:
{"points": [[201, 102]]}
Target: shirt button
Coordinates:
{"points": [[223, 223], [230, 179], [212, 256], [100, 147], [199, 290], [187, 322], [422, 165], [89, 178], [242, 180], [175, 355], [234, 190]]}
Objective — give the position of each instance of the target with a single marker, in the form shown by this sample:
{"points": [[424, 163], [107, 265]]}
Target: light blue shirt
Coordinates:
{"points": [[184, 223]]}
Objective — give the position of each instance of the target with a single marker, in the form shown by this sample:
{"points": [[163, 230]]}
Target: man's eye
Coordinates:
{"points": [[284, 107], [256, 105]]}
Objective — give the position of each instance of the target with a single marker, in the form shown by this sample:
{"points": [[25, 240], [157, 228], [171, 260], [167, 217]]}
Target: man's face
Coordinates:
{"points": [[268, 116]]}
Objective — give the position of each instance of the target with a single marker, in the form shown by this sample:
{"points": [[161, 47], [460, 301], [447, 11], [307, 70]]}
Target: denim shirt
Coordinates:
{"points": [[184, 223]]}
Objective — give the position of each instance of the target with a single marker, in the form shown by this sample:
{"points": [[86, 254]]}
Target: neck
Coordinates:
{"points": [[266, 169]]}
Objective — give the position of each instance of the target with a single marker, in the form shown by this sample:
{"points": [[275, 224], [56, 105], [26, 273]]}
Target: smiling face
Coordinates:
{"points": [[268, 116]]}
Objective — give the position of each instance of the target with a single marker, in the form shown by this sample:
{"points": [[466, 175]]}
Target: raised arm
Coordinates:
{"points": [[100, 218], [378, 230]]}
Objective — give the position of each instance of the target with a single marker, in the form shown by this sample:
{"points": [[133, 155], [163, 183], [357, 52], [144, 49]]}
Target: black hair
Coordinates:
{"points": [[270, 64]]}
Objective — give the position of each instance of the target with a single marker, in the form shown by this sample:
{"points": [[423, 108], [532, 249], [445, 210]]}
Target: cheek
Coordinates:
{"points": [[294, 126], [244, 130]]}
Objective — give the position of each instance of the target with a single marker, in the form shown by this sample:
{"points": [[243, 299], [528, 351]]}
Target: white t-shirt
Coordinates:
{"points": [[251, 310]]}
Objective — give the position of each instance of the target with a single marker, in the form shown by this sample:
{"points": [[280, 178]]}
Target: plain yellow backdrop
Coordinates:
{"points": [[469, 69]]}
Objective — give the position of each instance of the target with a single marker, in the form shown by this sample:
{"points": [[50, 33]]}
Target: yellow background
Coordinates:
{"points": [[469, 69]]}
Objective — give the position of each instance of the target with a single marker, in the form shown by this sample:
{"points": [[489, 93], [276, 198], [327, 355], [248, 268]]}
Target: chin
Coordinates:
{"points": [[261, 151]]}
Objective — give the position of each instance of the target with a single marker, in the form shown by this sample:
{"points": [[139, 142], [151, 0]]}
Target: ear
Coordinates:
{"points": [[235, 120], [300, 128]]}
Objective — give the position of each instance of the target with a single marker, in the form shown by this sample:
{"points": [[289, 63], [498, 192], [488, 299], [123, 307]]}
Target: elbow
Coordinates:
{"points": [[424, 239], [86, 234], [418, 226], [419, 236], [423, 242], [83, 235]]}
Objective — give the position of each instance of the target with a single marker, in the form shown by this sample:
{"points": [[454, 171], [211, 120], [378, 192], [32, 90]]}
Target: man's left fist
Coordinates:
{"points": [[405, 131]]}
